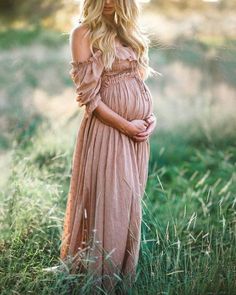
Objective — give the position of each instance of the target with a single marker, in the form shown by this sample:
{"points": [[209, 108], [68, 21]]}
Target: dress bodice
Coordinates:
{"points": [[91, 77], [124, 66], [125, 59]]}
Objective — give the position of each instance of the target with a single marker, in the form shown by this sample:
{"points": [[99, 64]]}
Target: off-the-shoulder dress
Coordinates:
{"points": [[102, 223]]}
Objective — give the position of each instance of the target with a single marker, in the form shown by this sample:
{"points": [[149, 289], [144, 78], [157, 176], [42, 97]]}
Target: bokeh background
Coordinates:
{"points": [[189, 226]]}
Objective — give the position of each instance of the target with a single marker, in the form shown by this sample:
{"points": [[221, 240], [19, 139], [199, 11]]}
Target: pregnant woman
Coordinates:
{"points": [[102, 223]]}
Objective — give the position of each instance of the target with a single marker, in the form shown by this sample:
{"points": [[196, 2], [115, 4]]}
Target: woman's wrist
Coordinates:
{"points": [[111, 118], [123, 126]]}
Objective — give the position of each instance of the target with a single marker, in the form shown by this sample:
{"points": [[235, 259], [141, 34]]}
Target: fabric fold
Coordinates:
{"points": [[86, 76]]}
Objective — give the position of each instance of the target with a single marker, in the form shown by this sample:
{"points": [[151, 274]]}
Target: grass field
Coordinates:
{"points": [[189, 226]]}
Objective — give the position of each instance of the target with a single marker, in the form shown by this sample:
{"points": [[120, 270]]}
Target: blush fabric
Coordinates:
{"points": [[102, 225]]}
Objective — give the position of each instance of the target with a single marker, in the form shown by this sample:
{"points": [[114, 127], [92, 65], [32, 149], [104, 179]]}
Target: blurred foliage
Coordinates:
{"points": [[23, 37], [35, 12], [184, 4]]}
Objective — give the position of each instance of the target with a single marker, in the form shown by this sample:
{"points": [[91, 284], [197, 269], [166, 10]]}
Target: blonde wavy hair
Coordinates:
{"points": [[103, 33]]}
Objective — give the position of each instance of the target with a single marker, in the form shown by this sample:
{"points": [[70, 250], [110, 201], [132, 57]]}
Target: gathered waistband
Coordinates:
{"points": [[109, 79]]}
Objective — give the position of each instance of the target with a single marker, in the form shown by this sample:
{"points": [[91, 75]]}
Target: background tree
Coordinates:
{"points": [[30, 11]]}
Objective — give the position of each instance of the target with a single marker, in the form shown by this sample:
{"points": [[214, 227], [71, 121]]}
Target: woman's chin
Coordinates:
{"points": [[109, 12]]}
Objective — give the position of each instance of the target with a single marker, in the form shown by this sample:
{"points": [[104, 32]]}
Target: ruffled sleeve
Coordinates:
{"points": [[86, 76]]}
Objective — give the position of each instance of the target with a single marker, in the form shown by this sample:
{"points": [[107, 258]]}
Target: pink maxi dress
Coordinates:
{"points": [[102, 226]]}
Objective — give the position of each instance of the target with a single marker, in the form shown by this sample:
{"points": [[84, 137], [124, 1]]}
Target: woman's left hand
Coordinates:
{"points": [[143, 136]]}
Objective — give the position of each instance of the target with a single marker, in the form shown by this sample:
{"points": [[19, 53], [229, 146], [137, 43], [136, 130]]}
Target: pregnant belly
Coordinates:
{"points": [[129, 98]]}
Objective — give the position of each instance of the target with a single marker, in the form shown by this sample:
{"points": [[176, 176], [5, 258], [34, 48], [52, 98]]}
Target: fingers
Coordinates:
{"points": [[147, 132], [144, 134], [137, 139], [146, 123], [152, 125], [150, 121]]}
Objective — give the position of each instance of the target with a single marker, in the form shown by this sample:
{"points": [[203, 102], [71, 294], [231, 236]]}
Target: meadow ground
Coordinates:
{"points": [[189, 226]]}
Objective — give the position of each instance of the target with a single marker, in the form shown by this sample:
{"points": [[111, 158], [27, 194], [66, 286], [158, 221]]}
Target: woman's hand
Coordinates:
{"points": [[143, 135], [135, 127], [150, 118]]}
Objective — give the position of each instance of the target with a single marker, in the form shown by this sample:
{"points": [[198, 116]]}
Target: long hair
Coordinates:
{"points": [[103, 33]]}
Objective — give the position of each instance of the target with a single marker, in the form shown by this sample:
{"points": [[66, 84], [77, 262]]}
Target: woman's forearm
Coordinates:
{"points": [[111, 118]]}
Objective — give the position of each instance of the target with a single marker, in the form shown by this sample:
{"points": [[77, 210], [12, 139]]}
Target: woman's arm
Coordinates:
{"points": [[111, 118], [81, 52]]}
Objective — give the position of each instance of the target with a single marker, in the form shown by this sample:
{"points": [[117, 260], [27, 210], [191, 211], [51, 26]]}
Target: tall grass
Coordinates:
{"points": [[188, 230]]}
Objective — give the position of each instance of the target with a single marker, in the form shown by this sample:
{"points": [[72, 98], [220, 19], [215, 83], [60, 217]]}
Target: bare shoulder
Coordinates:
{"points": [[79, 43], [79, 32]]}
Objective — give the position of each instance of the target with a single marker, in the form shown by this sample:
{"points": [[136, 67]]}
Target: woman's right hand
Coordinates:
{"points": [[136, 126]]}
